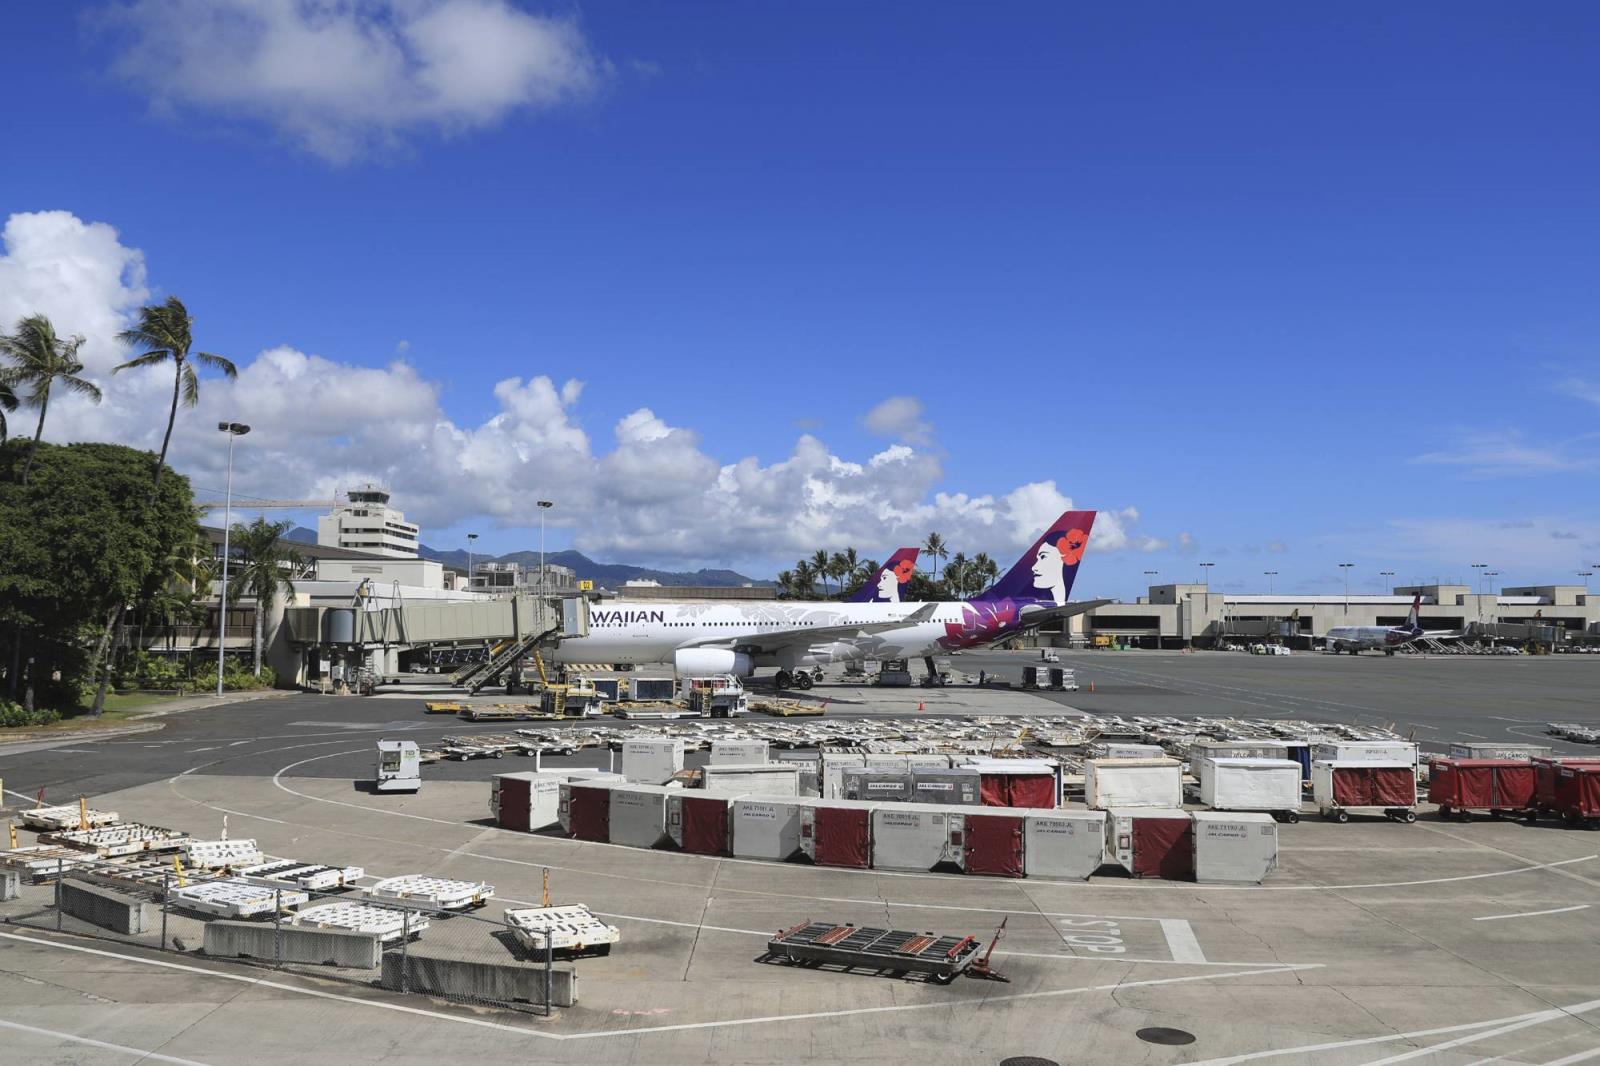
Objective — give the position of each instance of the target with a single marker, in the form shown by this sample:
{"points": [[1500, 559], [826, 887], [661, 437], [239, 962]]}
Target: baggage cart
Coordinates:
{"points": [[652, 761], [867, 783], [991, 841], [420, 892], [1466, 749], [1578, 795], [1544, 779], [1495, 786], [939, 959], [1271, 786], [312, 876], [738, 752], [235, 898], [1380, 752], [66, 816], [570, 930], [123, 838], [1340, 789], [946, 787], [388, 924], [1151, 841], [36, 863], [217, 854], [584, 809]]}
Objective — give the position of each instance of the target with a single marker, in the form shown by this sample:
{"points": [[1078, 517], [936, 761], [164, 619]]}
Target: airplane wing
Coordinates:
{"points": [[808, 635], [1049, 614]]}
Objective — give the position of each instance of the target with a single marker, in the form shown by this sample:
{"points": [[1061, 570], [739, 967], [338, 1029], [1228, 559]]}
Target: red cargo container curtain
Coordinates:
{"points": [[1486, 783], [515, 803], [1163, 847], [993, 844], [1374, 786], [589, 813], [1513, 786], [843, 837], [1578, 791], [1018, 790], [705, 825]]}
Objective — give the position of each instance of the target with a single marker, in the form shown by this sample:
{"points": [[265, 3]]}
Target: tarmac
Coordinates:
{"points": [[1373, 942]]}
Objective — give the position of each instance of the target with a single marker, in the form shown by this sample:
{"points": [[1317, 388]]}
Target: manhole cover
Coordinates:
{"points": [[1028, 1060], [1162, 1035]]}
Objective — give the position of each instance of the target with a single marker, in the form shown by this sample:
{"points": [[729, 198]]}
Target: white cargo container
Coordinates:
{"points": [[1233, 847], [906, 762], [1271, 785], [766, 827], [530, 800], [1124, 750], [946, 787], [832, 766], [1109, 783], [639, 815], [810, 771], [916, 836], [768, 779], [869, 783], [1340, 789], [1524, 752], [738, 752], [653, 761], [1062, 843], [1236, 749], [216, 854], [1388, 752]]}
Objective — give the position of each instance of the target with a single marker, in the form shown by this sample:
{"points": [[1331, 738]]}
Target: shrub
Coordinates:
{"points": [[14, 715]]}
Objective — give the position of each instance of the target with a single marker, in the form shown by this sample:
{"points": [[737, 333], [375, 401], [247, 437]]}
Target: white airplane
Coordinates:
{"points": [[699, 639], [1356, 639]]}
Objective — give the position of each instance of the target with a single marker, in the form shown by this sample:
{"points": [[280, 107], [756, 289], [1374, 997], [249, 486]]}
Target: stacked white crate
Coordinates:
{"points": [[1111, 783]]}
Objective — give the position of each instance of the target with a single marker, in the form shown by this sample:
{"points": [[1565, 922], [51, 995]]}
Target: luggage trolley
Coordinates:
{"points": [[431, 893], [939, 959], [389, 924]]}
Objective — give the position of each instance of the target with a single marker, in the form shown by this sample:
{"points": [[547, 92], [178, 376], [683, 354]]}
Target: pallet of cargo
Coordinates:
{"points": [[488, 746], [443, 707], [235, 898], [789, 709], [308, 875], [40, 862], [569, 929], [216, 854], [127, 838], [431, 893], [895, 951], [67, 816], [499, 712], [389, 924]]}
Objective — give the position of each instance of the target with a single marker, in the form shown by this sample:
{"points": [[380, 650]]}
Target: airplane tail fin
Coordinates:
{"points": [[902, 564], [1045, 573], [1413, 622]]}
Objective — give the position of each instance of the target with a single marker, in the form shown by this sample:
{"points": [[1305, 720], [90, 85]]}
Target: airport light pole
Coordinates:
{"points": [[1270, 574], [232, 429], [544, 505], [470, 538], [1491, 575], [1480, 568], [1346, 568], [1386, 575], [1586, 575]]}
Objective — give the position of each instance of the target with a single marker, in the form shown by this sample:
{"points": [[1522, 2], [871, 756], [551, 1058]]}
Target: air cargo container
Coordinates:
{"points": [[837, 832], [1461, 786], [946, 787], [652, 761], [1063, 844], [992, 841], [1300, 752], [1122, 750], [1269, 785], [1578, 794], [738, 752], [1109, 783], [915, 836], [906, 762], [769, 779], [1151, 841], [1236, 749], [584, 809], [766, 828], [1379, 752], [531, 800], [832, 765], [1340, 789], [1544, 777], [810, 770], [1016, 782], [652, 689], [865, 783], [639, 815], [1234, 847], [698, 821], [1466, 749]]}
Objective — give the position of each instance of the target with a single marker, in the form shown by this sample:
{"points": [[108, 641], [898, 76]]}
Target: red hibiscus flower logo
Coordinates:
{"points": [[903, 570], [1072, 546]]}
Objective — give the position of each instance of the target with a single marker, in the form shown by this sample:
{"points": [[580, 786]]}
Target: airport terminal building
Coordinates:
{"points": [[1180, 615]]}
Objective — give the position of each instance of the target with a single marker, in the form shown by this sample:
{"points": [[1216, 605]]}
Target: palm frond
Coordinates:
{"points": [[191, 385], [151, 358], [216, 362], [82, 386]]}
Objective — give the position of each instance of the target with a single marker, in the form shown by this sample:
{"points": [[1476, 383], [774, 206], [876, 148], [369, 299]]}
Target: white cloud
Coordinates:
{"points": [[900, 418], [1504, 453], [653, 496], [1581, 388], [339, 76]]}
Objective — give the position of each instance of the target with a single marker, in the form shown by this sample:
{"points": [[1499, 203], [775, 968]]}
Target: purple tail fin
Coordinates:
{"points": [[1045, 574], [888, 583]]}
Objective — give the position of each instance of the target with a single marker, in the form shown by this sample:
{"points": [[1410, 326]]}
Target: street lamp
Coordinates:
{"points": [[1386, 575], [1346, 568], [1205, 574], [232, 429], [1480, 568], [1270, 574], [1586, 575], [1494, 607], [470, 538], [544, 505]]}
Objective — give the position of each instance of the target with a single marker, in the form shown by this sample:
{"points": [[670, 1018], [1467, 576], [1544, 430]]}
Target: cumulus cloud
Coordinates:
{"points": [[900, 418], [339, 76], [649, 493]]}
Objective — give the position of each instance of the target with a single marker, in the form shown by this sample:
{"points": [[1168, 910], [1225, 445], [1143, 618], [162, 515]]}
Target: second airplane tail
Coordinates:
{"points": [[888, 583], [1044, 575]]}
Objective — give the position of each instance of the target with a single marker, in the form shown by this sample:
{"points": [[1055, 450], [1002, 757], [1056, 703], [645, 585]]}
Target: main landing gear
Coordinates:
{"points": [[800, 679]]}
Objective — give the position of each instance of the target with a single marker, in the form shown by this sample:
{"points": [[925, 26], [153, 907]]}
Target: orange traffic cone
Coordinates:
{"points": [[922, 706], [1091, 686]]}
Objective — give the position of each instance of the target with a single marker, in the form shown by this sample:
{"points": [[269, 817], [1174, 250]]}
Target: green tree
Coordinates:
{"points": [[265, 563], [166, 332], [985, 571], [937, 550], [956, 575], [839, 569], [77, 543], [805, 580], [8, 402], [820, 562], [786, 583], [41, 360]]}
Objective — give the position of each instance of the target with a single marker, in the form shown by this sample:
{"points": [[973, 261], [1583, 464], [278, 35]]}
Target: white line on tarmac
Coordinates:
{"points": [[1181, 940], [1531, 914], [143, 1056], [1533, 1018], [982, 1001], [1582, 1056]]}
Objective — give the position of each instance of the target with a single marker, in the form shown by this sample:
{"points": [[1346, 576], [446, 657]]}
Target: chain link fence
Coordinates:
{"points": [[152, 902]]}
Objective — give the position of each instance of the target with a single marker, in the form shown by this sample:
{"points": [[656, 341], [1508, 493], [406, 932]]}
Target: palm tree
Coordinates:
{"points": [[166, 331], [265, 560], [820, 562], [805, 580], [39, 360], [8, 402], [985, 570], [786, 582], [839, 569], [957, 574], [937, 550], [864, 571]]}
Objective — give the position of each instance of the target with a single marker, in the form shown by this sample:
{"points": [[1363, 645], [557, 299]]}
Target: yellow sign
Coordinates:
{"points": [[586, 586]]}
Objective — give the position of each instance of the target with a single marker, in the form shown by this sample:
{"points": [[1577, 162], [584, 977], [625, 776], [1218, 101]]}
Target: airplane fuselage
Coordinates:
{"points": [[1361, 637]]}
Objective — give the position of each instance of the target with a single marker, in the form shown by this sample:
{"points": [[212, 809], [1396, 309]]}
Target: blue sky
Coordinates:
{"points": [[1297, 286]]}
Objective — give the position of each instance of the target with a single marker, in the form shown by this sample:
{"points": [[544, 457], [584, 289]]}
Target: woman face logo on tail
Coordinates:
{"points": [[889, 586], [1057, 552]]}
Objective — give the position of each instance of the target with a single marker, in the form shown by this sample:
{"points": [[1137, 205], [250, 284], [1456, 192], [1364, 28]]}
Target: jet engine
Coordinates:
{"points": [[701, 662]]}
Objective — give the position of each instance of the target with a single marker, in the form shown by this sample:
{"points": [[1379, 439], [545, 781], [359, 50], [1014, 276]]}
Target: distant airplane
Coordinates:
{"points": [[1356, 639], [888, 585]]}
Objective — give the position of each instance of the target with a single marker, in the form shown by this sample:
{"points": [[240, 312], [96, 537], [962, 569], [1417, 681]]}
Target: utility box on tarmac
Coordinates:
{"points": [[1063, 844], [1234, 848], [1109, 783], [1151, 842], [399, 766]]}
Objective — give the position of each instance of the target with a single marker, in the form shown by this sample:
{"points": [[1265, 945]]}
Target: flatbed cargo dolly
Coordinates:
{"points": [[431, 893], [218, 854], [895, 951], [67, 816], [312, 876], [389, 923], [570, 929], [235, 898], [125, 838], [37, 863]]}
